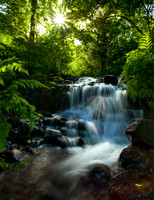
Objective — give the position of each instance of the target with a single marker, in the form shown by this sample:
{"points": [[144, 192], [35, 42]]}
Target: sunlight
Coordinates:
{"points": [[59, 19], [77, 42], [41, 28], [60, 1]]}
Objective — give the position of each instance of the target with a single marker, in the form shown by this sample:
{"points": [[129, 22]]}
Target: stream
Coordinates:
{"points": [[97, 118], [99, 114]]}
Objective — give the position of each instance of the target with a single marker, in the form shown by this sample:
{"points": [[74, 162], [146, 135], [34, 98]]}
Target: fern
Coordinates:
{"points": [[11, 65], [1, 81], [4, 130], [139, 71], [145, 42], [30, 83], [11, 100]]}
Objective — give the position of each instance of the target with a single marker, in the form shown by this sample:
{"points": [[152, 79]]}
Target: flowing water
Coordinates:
{"points": [[99, 114]]}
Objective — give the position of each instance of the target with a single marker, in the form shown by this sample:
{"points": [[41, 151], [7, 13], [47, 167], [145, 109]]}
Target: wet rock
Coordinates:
{"points": [[131, 186], [36, 142], [80, 142], [64, 131], [81, 126], [101, 172], [58, 121], [93, 185], [52, 133], [47, 121], [72, 124], [38, 120], [55, 138], [110, 79], [14, 120], [91, 83], [73, 142], [46, 114], [37, 132], [141, 132], [11, 156], [134, 157]]}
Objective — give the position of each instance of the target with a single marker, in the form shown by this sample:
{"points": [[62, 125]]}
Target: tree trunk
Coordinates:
{"points": [[33, 20]]}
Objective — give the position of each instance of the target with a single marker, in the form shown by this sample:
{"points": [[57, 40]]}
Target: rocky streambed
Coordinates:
{"points": [[95, 150], [35, 173]]}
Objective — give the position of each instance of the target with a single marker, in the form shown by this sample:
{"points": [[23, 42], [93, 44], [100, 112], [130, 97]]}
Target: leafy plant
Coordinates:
{"points": [[139, 71], [11, 100]]}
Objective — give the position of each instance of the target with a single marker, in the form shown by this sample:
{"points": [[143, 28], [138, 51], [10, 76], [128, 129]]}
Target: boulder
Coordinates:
{"points": [[55, 138], [100, 172], [131, 186], [58, 121], [37, 132], [93, 184], [141, 133], [36, 142], [137, 158], [64, 131], [81, 125], [110, 79]]}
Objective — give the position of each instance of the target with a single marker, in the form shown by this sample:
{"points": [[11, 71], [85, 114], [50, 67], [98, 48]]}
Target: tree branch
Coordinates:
{"points": [[123, 17]]}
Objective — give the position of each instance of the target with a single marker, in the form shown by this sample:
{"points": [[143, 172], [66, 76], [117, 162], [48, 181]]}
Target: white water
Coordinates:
{"points": [[104, 112]]}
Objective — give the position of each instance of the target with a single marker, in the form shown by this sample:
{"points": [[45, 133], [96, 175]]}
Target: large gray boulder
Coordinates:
{"points": [[141, 132]]}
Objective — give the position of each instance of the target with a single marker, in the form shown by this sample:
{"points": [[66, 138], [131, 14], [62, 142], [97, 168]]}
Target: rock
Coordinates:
{"points": [[55, 138], [38, 120], [64, 131], [47, 121], [58, 121], [137, 158], [14, 120], [141, 132], [110, 79], [71, 124], [131, 186], [80, 142], [93, 185], [77, 141], [52, 133], [12, 156], [36, 142], [81, 126], [37, 132], [101, 172]]}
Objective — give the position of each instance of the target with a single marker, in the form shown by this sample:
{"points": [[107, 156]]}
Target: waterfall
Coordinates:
{"points": [[99, 114], [102, 108]]}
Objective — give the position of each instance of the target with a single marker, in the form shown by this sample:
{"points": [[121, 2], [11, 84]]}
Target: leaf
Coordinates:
{"points": [[1, 81]]}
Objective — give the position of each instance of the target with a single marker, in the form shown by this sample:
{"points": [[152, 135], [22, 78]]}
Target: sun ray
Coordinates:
{"points": [[59, 19]]}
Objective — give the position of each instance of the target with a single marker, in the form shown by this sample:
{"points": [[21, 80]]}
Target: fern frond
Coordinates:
{"points": [[13, 67], [4, 130], [1, 81], [146, 42], [30, 83]]}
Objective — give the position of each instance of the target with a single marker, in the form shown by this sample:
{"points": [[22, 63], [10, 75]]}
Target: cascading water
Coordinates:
{"points": [[99, 114]]}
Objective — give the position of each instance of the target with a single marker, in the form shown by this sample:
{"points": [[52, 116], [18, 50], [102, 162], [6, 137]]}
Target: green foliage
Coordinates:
{"points": [[11, 100], [139, 71], [3, 164], [4, 130], [18, 166]]}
